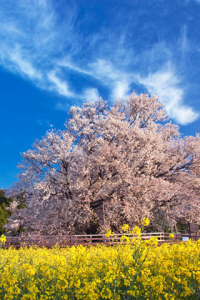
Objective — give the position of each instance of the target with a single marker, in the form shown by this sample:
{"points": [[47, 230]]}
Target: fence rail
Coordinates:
{"points": [[194, 237], [94, 239]]}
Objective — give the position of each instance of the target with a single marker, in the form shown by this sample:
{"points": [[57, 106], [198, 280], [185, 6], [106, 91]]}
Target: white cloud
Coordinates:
{"points": [[163, 83], [166, 85], [91, 94], [185, 45], [42, 47], [104, 69], [63, 106], [68, 64], [44, 123], [106, 73], [23, 66], [120, 90], [185, 115], [60, 86], [30, 36], [117, 80]]}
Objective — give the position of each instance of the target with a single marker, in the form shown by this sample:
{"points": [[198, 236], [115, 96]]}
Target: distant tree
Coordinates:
{"points": [[4, 213], [110, 166]]}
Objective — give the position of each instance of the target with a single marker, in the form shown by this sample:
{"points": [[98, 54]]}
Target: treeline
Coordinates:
{"points": [[5, 213]]}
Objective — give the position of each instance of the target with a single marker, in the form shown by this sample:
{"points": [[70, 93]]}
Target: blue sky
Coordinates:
{"points": [[55, 54]]}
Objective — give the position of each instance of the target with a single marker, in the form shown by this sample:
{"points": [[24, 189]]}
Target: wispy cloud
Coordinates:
{"points": [[121, 90], [104, 71], [60, 86], [44, 123], [166, 85], [31, 36], [65, 106], [39, 45], [91, 94], [67, 63], [184, 43], [21, 65]]}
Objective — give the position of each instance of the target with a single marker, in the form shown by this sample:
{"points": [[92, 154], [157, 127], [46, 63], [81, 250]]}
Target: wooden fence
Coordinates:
{"points": [[194, 237], [70, 240]]}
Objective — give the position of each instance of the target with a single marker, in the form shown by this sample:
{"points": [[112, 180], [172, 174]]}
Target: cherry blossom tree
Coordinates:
{"points": [[110, 166]]}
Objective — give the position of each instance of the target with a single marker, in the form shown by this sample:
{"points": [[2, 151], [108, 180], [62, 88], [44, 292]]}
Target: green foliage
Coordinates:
{"points": [[17, 232], [182, 227], [4, 213]]}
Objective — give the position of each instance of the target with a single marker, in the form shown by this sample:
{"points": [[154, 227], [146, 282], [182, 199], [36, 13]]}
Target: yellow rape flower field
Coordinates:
{"points": [[137, 270]]}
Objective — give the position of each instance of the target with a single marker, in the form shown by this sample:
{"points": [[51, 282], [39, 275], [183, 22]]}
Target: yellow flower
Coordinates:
{"points": [[82, 272], [108, 233], [125, 227], [171, 235], [145, 221], [3, 238], [136, 231], [152, 241], [125, 238]]}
